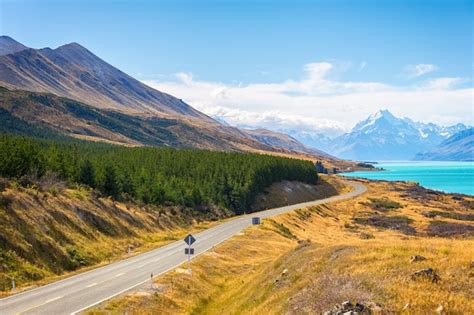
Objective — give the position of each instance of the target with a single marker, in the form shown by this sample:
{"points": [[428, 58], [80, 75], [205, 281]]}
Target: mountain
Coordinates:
{"points": [[382, 136], [278, 139], [8, 46], [458, 147], [312, 139], [98, 101], [74, 72]]}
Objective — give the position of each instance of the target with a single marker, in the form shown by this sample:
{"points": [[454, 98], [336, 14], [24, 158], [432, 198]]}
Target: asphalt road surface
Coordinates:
{"points": [[79, 292]]}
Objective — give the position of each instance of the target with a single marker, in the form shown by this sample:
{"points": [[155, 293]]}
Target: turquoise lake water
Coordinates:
{"points": [[455, 177]]}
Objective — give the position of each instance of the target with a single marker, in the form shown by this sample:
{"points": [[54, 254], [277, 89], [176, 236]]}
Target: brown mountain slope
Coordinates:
{"points": [[8, 46], [79, 120], [74, 72]]}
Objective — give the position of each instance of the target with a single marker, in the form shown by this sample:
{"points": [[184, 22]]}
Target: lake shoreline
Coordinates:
{"points": [[447, 177]]}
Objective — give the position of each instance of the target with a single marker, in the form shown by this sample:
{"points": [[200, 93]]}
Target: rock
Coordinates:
{"points": [[427, 273], [440, 309], [417, 258], [284, 272], [347, 308]]}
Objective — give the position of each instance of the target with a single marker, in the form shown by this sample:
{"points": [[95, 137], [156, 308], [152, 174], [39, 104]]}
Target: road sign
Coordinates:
{"points": [[189, 239], [255, 220], [189, 251]]}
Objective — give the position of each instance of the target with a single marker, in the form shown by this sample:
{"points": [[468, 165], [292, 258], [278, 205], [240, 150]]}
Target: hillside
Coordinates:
{"points": [[193, 178], [73, 71], [369, 251], [459, 147], [72, 227], [75, 119]]}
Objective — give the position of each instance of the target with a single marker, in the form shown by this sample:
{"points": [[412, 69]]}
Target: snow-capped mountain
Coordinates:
{"points": [[382, 136], [459, 147]]}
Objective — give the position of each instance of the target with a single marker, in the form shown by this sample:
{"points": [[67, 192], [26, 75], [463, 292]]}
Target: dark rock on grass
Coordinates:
{"points": [[417, 258], [348, 307], [426, 274], [448, 229]]}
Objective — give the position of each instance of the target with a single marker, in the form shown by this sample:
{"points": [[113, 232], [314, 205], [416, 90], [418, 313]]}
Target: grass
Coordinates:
{"points": [[382, 204], [326, 263], [46, 235]]}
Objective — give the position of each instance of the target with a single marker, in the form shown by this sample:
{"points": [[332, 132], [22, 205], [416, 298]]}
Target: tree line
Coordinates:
{"points": [[152, 175]]}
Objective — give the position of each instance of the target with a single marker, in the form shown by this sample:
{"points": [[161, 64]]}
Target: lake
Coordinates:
{"points": [[454, 177]]}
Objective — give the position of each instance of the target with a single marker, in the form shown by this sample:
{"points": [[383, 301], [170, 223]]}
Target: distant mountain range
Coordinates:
{"points": [[70, 91], [382, 136], [458, 147], [278, 139]]}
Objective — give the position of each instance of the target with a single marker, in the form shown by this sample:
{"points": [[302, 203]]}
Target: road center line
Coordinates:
{"points": [[92, 285]]}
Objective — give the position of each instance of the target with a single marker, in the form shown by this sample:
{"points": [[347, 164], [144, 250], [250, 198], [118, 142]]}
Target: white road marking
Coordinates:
{"points": [[119, 274], [92, 285], [48, 301]]}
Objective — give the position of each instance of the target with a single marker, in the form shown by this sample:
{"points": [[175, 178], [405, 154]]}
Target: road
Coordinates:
{"points": [[79, 292]]}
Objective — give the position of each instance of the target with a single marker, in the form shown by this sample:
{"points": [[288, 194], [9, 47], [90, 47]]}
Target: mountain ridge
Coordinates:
{"points": [[74, 72], [8, 45], [458, 147]]}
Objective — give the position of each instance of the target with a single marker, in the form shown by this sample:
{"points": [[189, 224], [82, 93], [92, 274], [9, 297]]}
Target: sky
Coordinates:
{"points": [[314, 66]]}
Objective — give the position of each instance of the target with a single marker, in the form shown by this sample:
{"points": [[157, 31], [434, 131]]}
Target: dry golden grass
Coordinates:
{"points": [[47, 235], [328, 258]]}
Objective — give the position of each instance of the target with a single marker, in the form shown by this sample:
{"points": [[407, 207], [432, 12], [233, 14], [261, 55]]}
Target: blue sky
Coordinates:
{"points": [[402, 44]]}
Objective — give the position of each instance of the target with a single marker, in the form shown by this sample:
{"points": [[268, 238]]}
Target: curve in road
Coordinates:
{"points": [[77, 293]]}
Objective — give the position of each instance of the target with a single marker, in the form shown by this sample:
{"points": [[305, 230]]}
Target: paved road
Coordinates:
{"points": [[77, 293]]}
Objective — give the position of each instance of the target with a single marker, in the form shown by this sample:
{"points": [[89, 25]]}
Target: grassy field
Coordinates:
{"points": [[310, 260]]}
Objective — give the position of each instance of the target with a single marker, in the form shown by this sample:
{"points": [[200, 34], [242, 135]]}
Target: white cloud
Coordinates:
{"points": [[414, 71], [316, 103], [443, 83]]}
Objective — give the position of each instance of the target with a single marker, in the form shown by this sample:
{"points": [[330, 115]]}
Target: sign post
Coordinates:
{"points": [[189, 251], [12, 278]]}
